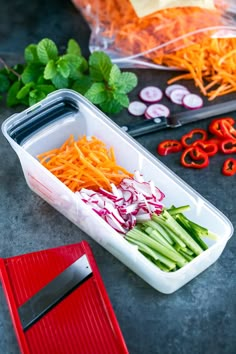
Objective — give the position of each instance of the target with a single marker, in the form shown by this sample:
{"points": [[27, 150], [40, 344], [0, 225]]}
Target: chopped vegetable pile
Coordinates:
{"points": [[129, 204], [199, 145]]}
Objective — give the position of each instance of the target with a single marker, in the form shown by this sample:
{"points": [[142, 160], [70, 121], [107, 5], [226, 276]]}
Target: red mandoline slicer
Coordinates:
{"points": [[58, 303]]}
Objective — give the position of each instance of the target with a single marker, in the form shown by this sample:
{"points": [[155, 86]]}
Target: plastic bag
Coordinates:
{"points": [[131, 40]]}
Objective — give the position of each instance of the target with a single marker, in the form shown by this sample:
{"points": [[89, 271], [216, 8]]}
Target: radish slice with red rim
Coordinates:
{"points": [[151, 94], [192, 101], [177, 95], [157, 110], [133, 200], [173, 87], [137, 108]]}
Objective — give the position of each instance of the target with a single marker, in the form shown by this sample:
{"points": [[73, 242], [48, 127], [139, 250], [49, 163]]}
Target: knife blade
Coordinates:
{"points": [[52, 293], [177, 120]]}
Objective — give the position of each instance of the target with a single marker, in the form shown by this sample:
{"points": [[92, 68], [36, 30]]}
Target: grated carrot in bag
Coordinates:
{"points": [[189, 38]]}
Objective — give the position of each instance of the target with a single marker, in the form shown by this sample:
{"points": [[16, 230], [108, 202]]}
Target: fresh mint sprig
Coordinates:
{"points": [[46, 70]]}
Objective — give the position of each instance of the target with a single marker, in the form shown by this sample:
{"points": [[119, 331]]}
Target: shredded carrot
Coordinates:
{"points": [[215, 74], [85, 163], [180, 37]]}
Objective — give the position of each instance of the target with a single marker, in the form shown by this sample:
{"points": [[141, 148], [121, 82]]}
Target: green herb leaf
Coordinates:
{"points": [[63, 67], [46, 50], [96, 93], [45, 88], [60, 81], [12, 93], [24, 91], [114, 76], [73, 47], [31, 55], [82, 84], [4, 83], [122, 98], [73, 61], [31, 73], [36, 96], [124, 82], [127, 82], [111, 106], [41, 80], [99, 66], [50, 70]]}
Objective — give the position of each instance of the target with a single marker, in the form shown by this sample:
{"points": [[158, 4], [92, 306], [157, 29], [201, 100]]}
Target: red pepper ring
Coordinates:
{"points": [[230, 120], [215, 140], [209, 147], [194, 135], [194, 157], [223, 128], [229, 167], [169, 146], [228, 146], [228, 129]]}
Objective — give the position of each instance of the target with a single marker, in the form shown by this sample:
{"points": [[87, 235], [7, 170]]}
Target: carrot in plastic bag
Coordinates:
{"points": [[181, 37], [117, 26]]}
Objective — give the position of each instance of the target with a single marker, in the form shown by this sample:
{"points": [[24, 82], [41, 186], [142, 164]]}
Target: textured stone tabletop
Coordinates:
{"points": [[199, 318]]}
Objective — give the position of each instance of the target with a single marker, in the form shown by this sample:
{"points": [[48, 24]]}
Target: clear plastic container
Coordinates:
{"points": [[48, 124]]}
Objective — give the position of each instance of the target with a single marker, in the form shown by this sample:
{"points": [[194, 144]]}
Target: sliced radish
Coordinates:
{"points": [[137, 108], [132, 201], [156, 110], [177, 95], [173, 87], [192, 101], [151, 94]]}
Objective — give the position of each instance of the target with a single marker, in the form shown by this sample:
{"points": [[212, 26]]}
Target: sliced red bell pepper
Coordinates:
{"points": [[215, 140], [229, 167], [223, 128], [207, 146], [229, 129], [192, 136], [194, 157], [228, 146], [169, 146]]}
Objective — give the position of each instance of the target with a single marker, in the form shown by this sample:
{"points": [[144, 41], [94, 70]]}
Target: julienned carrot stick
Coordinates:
{"points": [[85, 163], [215, 73], [206, 60]]}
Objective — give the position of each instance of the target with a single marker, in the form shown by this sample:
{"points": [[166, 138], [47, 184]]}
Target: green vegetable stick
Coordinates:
{"points": [[173, 225], [141, 237], [160, 229], [157, 236], [191, 229], [153, 254]]}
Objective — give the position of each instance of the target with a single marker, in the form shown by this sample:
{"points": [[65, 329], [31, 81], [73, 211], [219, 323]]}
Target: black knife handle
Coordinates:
{"points": [[145, 127]]}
